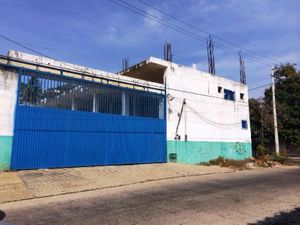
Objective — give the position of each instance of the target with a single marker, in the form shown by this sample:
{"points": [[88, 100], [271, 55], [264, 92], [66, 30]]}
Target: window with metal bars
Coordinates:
{"points": [[229, 95], [60, 92]]}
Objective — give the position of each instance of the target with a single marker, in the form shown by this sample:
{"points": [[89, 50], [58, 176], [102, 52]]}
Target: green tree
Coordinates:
{"points": [[255, 121], [288, 104], [31, 92], [287, 81], [261, 126]]}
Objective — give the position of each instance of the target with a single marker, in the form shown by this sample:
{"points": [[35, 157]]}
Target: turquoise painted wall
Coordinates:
{"points": [[5, 152], [194, 152]]}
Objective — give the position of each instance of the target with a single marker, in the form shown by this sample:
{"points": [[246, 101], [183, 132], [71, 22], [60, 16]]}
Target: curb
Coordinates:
{"points": [[115, 186]]}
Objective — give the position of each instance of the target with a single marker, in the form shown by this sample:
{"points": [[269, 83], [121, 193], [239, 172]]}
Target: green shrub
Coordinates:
{"points": [[261, 150], [278, 158]]}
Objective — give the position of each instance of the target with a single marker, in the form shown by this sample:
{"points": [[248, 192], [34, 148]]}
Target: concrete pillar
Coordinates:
{"points": [[8, 98]]}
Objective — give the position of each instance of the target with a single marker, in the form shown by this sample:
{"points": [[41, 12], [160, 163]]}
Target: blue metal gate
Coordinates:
{"points": [[64, 122]]}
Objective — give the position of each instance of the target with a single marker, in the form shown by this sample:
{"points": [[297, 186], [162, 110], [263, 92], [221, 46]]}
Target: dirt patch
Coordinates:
{"points": [[251, 163], [236, 164]]}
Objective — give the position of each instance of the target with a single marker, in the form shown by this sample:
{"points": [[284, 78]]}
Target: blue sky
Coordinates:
{"points": [[99, 34]]}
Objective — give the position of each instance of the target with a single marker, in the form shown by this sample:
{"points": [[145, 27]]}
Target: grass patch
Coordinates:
{"points": [[237, 164], [250, 163]]}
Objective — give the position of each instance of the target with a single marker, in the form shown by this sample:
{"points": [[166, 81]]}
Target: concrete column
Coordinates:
{"points": [[8, 98]]}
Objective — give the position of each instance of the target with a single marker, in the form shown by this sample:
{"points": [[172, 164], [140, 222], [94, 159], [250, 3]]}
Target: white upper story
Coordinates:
{"points": [[216, 108]]}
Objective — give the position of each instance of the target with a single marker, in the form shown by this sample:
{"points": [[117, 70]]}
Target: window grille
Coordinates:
{"points": [[229, 95], [60, 92]]}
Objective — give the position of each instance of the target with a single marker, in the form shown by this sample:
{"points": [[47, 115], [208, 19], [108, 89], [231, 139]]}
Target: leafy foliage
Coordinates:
{"points": [[288, 111]]}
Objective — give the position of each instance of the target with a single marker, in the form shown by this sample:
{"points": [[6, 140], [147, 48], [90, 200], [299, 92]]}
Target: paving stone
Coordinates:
{"points": [[40, 183], [12, 188]]}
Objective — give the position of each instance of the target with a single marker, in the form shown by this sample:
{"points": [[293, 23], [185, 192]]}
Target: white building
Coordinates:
{"points": [[207, 115], [56, 114]]}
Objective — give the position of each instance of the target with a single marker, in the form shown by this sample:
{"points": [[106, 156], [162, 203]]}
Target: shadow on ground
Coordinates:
{"points": [[283, 218], [2, 215]]}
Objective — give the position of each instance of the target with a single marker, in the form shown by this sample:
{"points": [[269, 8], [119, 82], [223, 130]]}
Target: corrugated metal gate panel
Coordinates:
{"points": [[46, 138], [63, 122]]}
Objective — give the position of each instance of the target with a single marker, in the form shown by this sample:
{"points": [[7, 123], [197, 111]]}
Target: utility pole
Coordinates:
{"points": [[274, 113]]}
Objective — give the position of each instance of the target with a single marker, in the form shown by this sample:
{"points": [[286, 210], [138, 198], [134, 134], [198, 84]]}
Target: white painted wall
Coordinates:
{"points": [[43, 61], [8, 96], [212, 118], [207, 116]]}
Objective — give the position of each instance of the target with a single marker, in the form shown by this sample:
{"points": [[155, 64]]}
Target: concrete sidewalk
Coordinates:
{"points": [[28, 184]]}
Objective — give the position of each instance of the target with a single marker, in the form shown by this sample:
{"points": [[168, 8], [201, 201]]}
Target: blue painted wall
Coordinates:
{"points": [[48, 138]]}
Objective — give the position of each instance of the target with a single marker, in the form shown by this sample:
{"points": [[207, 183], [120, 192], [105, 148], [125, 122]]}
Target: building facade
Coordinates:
{"points": [[207, 115], [55, 114]]}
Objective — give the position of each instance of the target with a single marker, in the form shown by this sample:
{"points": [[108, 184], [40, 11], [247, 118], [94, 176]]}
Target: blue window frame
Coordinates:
{"points": [[229, 95], [244, 124]]}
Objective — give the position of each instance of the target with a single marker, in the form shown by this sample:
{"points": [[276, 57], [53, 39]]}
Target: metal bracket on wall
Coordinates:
{"points": [[177, 137]]}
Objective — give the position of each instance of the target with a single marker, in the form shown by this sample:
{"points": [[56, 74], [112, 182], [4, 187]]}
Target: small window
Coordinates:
{"points": [[229, 95], [242, 96], [244, 124], [219, 89]]}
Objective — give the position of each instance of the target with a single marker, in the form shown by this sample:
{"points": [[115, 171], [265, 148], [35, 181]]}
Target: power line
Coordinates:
{"points": [[180, 29], [203, 31], [156, 19], [197, 93], [262, 86], [241, 108], [183, 11], [207, 120], [42, 54], [23, 46], [63, 52], [26, 46], [211, 122]]}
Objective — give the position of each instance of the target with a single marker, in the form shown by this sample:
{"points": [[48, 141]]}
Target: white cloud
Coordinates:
{"points": [[151, 23]]}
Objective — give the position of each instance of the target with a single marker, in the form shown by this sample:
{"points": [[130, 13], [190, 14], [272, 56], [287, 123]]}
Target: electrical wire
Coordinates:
{"points": [[44, 55], [181, 30], [239, 109], [63, 52], [258, 87], [88, 73], [197, 93], [35, 51], [23, 46], [156, 19], [48, 49], [211, 122], [204, 31], [183, 11]]}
